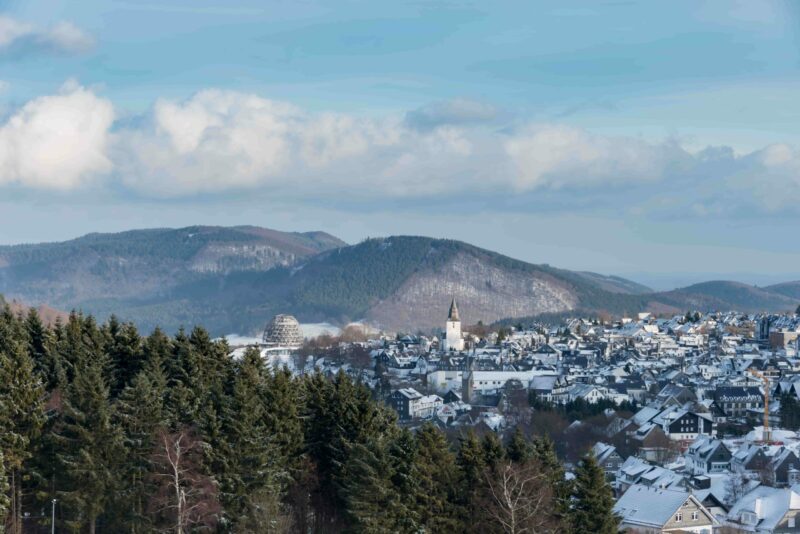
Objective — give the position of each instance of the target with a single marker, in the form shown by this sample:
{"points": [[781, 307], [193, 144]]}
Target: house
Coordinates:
{"points": [[411, 404], [647, 510], [766, 509], [749, 459], [684, 425], [735, 401], [707, 455], [652, 442], [588, 393], [784, 468], [401, 400], [608, 458]]}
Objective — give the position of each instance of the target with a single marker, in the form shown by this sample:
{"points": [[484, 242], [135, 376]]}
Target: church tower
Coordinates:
{"points": [[452, 334]]}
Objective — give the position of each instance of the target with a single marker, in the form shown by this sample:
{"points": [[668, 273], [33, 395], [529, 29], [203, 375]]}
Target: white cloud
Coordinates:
{"points": [[58, 141], [4, 86], [224, 141], [11, 30], [61, 37], [220, 140], [68, 37], [558, 156]]}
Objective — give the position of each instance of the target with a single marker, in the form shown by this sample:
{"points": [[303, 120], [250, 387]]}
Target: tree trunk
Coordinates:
{"points": [[14, 510], [92, 525]]}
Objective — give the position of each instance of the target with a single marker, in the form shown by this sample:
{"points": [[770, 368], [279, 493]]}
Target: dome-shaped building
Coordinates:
{"points": [[283, 331]]}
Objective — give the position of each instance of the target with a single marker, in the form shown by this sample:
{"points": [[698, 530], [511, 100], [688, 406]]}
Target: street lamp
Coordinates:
{"points": [[53, 520]]}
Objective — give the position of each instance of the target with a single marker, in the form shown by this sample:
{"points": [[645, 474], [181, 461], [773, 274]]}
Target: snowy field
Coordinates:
{"points": [[309, 330]]}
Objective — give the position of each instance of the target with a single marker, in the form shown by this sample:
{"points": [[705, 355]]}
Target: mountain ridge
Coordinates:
{"points": [[233, 279]]}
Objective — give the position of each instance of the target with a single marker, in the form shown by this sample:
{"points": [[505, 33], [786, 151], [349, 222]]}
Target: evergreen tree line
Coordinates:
{"points": [[109, 431]]}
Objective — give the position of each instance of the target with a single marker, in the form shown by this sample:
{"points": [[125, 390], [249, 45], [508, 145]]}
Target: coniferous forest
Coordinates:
{"points": [[105, 430]]}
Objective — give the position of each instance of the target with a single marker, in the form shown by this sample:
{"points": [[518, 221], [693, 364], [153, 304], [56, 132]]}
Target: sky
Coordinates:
{"points": [[654, 140]]}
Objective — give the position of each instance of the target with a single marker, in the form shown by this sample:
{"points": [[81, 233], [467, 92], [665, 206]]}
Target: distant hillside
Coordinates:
{"points": [[616, 284], [727, 295], [397, 283], [787, 289], [234, 279], [48, 315], [145, 264]]}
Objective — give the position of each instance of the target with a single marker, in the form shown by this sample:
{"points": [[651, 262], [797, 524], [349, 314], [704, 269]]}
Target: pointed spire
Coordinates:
{"points": [[453, 315]]}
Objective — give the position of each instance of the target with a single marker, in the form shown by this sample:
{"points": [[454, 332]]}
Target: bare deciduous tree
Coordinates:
{"points": [[186, 498], [735, 488], [518, 499]]}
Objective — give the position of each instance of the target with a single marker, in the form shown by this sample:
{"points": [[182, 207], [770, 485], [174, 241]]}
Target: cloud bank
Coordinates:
{"points": [[228, 142]]}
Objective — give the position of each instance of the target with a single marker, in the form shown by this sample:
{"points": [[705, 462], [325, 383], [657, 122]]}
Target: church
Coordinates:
{"points": [[452, 334]]}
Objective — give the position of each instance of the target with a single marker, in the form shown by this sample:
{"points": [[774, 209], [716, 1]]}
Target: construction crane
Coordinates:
{"points": [[766, 437]]}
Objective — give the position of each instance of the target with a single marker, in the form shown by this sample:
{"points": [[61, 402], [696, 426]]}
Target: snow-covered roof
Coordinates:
{"points": [[651, 507]]}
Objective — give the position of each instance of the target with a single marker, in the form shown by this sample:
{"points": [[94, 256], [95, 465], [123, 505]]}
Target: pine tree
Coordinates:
{"points": [[126, 357], [403, 461], [372, 500], [254, 469], [439, 484], [493, 451], [139, 413], [472, 464], [790, 411], [22, 397], [518, 449], [46, 361], [544, 453], [90, 445], [339, 413], [594, 500], [282, 401], [5, 501]]}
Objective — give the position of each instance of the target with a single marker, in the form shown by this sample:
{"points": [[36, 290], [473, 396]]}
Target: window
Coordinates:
{"points": [[695, 515], [678, 517]]}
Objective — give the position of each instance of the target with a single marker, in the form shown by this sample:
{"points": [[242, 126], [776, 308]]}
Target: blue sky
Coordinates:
{"points": [[651, 139]]}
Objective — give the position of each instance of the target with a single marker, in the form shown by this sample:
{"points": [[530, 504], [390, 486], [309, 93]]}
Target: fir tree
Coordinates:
{"points": [[5, 501], [22, 398], [790, 411], [493, 451], [372, 500], [544, 453], [472, 464], [403, 461], [594, 500], [46, 361], [281, 394], [124, 349], [437, 498], [139, 413], [518, 450], [254, 469], [90, 445]]}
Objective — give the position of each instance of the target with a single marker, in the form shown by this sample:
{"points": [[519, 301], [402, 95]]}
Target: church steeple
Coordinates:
{"points": [[453, 315]]}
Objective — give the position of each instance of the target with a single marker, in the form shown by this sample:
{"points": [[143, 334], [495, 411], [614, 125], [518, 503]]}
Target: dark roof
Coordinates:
{"points": [[453, 315], [736, 392]]}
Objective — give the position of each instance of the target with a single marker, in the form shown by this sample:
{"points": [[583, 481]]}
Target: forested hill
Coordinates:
{"points": [[234, 279], [172, 434], [397, 282]]}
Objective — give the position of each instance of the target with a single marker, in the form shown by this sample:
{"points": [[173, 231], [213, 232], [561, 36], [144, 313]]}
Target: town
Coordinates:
{"points": [[693, 417]]}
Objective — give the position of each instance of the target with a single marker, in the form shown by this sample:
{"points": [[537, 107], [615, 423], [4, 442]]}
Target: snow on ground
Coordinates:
{"points": [[316, 329], [235, 340], [309, 330]]}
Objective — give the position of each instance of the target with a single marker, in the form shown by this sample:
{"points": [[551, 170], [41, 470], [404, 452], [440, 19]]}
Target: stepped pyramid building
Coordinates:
{"points": [[283, 331]]}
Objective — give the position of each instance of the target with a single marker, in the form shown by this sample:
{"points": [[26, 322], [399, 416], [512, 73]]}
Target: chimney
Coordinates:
{"points": [[757, 505]]}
